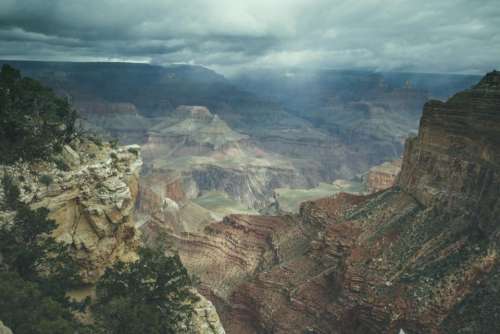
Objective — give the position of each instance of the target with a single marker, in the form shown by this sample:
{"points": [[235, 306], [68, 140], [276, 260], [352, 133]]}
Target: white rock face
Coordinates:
{"points": [[205, 318]]}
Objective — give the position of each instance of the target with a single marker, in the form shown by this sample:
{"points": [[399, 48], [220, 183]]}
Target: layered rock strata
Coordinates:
{"points": [[203, 154], [420, 257], [383, 176], [91, 198], [91, 193]]}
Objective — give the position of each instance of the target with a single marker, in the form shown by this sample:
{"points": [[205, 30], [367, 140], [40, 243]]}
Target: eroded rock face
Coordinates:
{"points": [[92, 202], [455, 158], [383, 176], [205, 319], [420, 257]]}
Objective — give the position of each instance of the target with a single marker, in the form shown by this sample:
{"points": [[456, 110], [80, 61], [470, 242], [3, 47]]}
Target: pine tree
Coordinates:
{"points": [[151, 295]]}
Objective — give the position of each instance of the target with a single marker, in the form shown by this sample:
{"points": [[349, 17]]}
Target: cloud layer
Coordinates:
{"points": [[228, 35]]}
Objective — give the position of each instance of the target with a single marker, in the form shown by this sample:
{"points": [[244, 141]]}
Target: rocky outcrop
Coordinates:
{"points": [[205, 319], [242, 245], [91, 196], [455, 158], [383, 176], [420, 257]]}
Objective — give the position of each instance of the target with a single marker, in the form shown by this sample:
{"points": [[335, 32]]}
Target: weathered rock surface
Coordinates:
{"points": [[420, 257], [455, 159], [205, 319], [92, 202], [383, 176]]}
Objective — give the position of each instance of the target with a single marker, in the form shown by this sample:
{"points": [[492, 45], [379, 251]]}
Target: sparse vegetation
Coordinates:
{"points": [[11, 193], [114, 143], [151, 295]]}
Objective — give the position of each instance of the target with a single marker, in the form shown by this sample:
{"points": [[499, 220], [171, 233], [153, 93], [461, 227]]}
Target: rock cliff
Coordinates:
{"points": [[205, 319], [419, 257], [454, 161], [91, 193], [383, 176]]}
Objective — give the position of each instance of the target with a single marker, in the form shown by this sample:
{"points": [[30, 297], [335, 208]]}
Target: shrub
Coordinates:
{"points": [[151, 295], [26, 309], [114, 143], [35, 123], [28, 249], [11, 193], [46, 179], [62, 165]]}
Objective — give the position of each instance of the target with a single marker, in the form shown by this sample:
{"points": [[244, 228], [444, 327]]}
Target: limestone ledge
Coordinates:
{"points": [[91, 199]]}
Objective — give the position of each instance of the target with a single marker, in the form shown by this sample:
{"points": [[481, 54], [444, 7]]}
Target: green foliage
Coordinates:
{"points": [[46, 180], [28, 310], [150, 295], [29, 250], [62, 165], [36, 272], [133, 150], [11, 193], [34, 123], [114, 143]]}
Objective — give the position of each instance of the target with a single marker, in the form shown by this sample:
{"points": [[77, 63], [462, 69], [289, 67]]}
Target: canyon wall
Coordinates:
{"points": [[91, 194], [383, 176], [455, 158], [421, 257], [91, 198]]}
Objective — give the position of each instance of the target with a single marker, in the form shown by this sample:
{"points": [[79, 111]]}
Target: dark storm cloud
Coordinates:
{"points": [[418, 35]]}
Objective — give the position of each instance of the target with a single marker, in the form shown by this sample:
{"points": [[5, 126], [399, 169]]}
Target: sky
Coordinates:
{"points": [[229, 36]]}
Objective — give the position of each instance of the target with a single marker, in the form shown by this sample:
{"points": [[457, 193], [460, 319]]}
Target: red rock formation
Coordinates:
{"points": [[421, 256]]}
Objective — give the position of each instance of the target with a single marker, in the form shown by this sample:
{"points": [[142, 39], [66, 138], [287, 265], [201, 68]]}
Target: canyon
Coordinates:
{"points": [[291, 206], [90, 190], [420, 256], [247, 145]]}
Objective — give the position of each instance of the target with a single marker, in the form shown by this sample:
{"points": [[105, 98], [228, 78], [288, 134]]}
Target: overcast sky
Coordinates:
{"points": [[229, 35]]}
